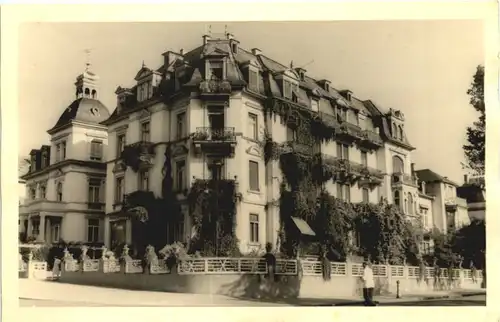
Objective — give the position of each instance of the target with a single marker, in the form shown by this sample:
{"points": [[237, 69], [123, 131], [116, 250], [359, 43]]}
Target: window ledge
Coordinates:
{"points": [[255, 192]]}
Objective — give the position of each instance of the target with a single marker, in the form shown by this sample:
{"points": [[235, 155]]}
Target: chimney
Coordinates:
{"points": [[412, 168], [256, 51], [206, 38], [466, 179], [229, 36], [181, 52]]}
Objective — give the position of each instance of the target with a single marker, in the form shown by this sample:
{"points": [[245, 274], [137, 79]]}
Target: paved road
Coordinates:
{"points": [[477, 300]]}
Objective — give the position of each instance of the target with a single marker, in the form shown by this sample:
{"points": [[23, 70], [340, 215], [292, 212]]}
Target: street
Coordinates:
{"points": [[54, 294]]}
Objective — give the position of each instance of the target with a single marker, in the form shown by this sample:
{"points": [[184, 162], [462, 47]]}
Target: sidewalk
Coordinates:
{"points": [[54, 291]]}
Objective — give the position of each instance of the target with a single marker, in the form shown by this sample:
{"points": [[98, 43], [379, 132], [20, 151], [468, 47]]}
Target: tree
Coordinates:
{"points": [[470, 242], [475, 148]]}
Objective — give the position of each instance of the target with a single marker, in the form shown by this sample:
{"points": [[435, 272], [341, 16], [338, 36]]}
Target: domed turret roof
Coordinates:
{"points": [[85, 110]]}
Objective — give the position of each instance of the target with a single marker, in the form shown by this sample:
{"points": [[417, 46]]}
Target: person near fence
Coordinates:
{"points": [[437, 274], [56, 268], [473, 271], [270, 260], [326, 267], [368, 284]]}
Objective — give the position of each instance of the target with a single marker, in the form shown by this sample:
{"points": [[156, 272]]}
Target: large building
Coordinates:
{"points": [[65, 181], [202, 116]]}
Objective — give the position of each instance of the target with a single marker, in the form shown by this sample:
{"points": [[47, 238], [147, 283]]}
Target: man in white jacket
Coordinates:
{"points": [[368, 284]]}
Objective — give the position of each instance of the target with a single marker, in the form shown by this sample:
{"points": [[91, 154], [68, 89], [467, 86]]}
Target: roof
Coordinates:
{"points": [[428, 175], [86, 110]]}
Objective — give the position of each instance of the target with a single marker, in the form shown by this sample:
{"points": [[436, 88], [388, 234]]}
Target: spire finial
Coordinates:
{"points": [[87, 63], [143, 64]]}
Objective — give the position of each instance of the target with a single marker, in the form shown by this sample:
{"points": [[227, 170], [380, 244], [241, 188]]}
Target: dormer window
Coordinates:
{"points": [[253, 80], [216, 70], [314, 105], [234, 47], [401, 135], [144, 91], [287, 89]]}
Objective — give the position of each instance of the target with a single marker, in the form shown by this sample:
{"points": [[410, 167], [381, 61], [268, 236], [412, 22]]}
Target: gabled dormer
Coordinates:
{"points": [[289, 83], [396, 120], [301, 72], [45, 156], [123, 97], [252, 70], [148, 81], [347, 94], [35, 160], [324, 84]]}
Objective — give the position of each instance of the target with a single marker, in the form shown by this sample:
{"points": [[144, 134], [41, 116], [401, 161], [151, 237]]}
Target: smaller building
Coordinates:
{"points": [[473, 190], [66, 179], [449, 212]]}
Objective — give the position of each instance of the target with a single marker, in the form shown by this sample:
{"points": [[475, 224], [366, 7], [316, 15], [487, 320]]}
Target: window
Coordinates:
{"points": [[253, 126], [253, 80], [410, 204], [55, 232], [119, 190], [43, 191], [145, 131], [63, 150], [254, 175], [94, 190], [96, 150], [364, 158], [180, 125], [44, 159], [287, 89], [58, 153], [35, 228], [180, 175], [397, 165], [366, 195], [394, 130], [59, 191], [291, 134], [314, 105], [344, 191], [216, 70], [397, 198], [140, 94], [425, 217], [32, 193], [342, 151], [144, 180], [93, 230], [120, 144], [254, 228], [401, 135]]}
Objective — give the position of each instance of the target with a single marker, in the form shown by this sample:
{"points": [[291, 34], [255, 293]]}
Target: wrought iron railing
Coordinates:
{"points": [[403, 178], [214, 86], [226, 134]]}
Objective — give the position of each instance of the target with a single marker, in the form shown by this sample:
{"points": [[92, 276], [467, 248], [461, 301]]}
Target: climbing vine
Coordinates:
{"points": [[212, 207]]}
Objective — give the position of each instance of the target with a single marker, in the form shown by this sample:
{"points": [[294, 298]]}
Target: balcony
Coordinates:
{"points": [[370, 140], [451, 204], [295, 147], [96, 205], [226, 190], [215, 90], [215, 141], [349, 132], [348, 171], [400, 179], [139, 155]]}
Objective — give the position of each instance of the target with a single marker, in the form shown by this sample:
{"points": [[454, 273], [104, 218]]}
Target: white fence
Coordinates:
{"points": [[221, 266]]}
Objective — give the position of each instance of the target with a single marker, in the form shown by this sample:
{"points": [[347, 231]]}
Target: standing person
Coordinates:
{"points": [[368, 284], [270, 261], [473, 271]]}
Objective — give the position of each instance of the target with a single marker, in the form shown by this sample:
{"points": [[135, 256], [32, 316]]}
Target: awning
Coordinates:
{"points": [[303, 227]]}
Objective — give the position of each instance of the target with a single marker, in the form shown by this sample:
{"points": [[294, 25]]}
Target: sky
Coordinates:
{"points": [[422, 68]]}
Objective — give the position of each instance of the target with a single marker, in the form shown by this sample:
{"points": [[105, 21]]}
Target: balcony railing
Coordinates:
{"points": [[215, 89], [208, 134], [371, 138], [405, 179], [139, 155], [456, 202], [96, 205]]}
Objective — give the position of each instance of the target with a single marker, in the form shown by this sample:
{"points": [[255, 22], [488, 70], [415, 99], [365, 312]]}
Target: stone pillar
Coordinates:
{"points": [[107, 232], [41, 228], [48, 231], [30, 227], [21, 225], [128, 231]]}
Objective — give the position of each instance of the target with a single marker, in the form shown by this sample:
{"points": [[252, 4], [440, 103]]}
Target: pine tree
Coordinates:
{"points": [[475, 148]]}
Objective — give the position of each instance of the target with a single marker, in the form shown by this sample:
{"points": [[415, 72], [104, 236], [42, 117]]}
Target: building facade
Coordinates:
{"points": [[66, 179], [206, 109], [474, 192]]}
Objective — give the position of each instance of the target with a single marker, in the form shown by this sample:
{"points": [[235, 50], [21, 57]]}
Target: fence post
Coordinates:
{"points": [[348, 266], [30, 269]]}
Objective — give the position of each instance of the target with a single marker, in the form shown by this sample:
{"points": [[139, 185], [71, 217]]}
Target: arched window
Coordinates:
{"points": [[410, 204], [59, 191], [401, 136], [94, 93], [87, 92], [397, 165], [397, 198]]}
